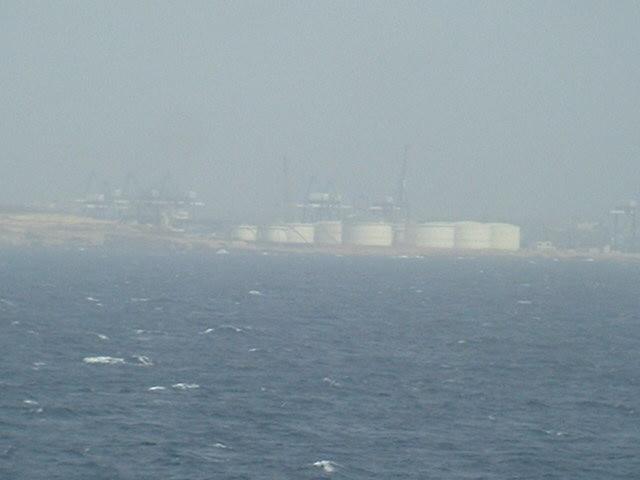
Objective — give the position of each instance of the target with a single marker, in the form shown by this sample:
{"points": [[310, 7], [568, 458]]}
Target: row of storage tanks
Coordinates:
{"points": [[431, 235]]}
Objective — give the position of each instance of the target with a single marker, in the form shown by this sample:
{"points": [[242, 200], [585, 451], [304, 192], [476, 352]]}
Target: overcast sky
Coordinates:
{"points": [[512, 109]]}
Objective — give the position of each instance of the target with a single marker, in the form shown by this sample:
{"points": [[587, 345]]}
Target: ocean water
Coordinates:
{"points": [[246, 366]]}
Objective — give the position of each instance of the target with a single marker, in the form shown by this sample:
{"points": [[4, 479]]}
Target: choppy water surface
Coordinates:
{"points": [[195, 366]]}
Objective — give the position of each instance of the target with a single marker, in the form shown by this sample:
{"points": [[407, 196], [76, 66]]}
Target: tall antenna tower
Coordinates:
{"points": [[286, 189], [401, 200]]}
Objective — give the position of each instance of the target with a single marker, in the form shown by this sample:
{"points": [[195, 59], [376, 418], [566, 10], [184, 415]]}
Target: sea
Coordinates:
{"points": [[194, 365]]}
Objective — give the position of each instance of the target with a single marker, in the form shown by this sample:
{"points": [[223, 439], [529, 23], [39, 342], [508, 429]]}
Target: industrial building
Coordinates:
{"points": [[323, 219], [156, 206], [624, 227]]}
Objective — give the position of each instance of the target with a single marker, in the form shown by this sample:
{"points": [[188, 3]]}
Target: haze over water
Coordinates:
{"points": [[246, 366], [514, 111]]}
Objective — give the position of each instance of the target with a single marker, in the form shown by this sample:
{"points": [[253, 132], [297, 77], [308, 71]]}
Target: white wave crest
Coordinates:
{"points": [[232, 327], [326, 465], [144, 360], [331, 381], [104, 360], [156, 388], [185, 386]]}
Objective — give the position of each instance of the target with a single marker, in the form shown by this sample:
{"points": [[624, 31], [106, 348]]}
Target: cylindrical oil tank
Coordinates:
{"points": [[328, 233], [410, 234], [273, 234], [399, 233], [472, 236], [245, 233], [505, 237], [368, 234], [300, 233], [434, 235]]}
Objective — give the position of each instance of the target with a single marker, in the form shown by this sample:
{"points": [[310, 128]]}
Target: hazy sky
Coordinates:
{"points": [[512, 109]]}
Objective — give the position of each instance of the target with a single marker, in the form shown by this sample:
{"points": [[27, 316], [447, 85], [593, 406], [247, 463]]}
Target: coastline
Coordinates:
{"points": [[52, 231]]}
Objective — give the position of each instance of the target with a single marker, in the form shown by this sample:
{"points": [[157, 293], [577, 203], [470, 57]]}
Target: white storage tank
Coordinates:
{"points": [[273, 234], [368, 234], [410, 234], [245, 233], [505, 237], [300, 233], [328, 233], [399, 233], [434, 235], [472, 236]]}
